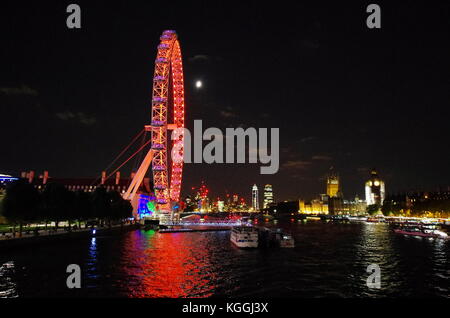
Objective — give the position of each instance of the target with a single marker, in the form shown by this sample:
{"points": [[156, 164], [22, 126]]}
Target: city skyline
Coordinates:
{"points": [[351, 106], [330, 185]]}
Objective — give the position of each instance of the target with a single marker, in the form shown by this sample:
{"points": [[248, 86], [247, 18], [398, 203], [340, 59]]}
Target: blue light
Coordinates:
{"points": [[6, 177], [144, 204]]}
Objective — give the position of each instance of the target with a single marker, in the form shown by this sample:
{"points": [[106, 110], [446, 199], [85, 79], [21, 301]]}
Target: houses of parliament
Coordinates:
{"points": [[333, 201]]}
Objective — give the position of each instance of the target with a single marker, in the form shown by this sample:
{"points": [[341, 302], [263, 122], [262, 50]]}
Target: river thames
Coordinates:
{"points": [[329, 260]]}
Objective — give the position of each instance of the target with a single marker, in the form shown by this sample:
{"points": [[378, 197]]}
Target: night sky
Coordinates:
{"points": [[342, 95]]}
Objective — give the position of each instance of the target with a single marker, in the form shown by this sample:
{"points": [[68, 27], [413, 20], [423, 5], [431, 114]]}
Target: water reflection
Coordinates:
{"points": [[167, 265], [329, 260], [92, 272], [441, 269], [375, 247], [8, 287]]}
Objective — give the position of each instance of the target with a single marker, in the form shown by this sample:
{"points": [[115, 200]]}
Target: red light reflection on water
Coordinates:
{"points": [[167, 265]]}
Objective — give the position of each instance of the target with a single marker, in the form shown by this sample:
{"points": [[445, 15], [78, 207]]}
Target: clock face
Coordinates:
{"points": [[377, 183]]}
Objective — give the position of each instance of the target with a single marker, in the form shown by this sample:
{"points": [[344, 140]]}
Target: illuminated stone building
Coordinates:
{"points": [[332, 184], [315, 206], [375, 190], [220, 206]]}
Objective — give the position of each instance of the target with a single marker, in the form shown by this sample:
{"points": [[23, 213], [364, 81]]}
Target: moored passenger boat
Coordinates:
{"points": [[244, 236], [357, 218], [287, 240], [275, 238]]}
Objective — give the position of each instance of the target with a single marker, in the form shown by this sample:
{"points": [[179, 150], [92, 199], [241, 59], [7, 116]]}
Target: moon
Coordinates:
{"points": [[198, 84]]}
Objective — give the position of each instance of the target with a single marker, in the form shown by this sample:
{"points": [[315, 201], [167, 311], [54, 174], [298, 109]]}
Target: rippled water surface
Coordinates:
{"points": [[329, 260]]}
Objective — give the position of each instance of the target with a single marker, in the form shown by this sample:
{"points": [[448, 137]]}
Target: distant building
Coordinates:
{"points": [[339, 206], [332, 184], [284, 208], [375, 190], [434, 203], [140, 201], [114, 183], [268, 196], [255, 198], [5, 179], [315, 206], [220, 206]]}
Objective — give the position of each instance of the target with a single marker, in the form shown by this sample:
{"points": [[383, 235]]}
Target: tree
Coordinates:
{"points": [[392, 208], [100, 203], [21, 203], [82, 206], [57, 203], [372, 209], [120, 208]]}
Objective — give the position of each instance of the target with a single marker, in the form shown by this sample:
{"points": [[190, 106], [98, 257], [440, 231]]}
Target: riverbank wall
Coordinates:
{"points": [[32, 241]]}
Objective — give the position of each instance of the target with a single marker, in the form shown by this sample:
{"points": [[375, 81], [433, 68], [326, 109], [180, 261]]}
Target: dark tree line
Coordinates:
{"points": [[398, 206], [24, 204], [440, 208], [373, 209]]}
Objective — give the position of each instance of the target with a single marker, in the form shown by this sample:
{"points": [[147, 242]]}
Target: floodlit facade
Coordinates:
{"points": [[316, 206], [220, 206], [268, 196], [375, 189], [338, 206], [332, 184]]}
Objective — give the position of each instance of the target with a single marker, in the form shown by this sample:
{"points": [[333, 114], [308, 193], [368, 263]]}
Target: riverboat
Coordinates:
{"points": [[244, 236]]}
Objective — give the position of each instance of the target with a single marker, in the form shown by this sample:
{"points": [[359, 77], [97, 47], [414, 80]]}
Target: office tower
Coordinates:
{"points": [[268, 196], [255, 199]]}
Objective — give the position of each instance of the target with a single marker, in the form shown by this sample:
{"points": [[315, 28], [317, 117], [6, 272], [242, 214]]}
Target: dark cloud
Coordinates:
{"points": [[199, 58], [20, 91], [322, 158], [296, 164], [309, 138], [227, 114], [363, 170], [80, 117]]}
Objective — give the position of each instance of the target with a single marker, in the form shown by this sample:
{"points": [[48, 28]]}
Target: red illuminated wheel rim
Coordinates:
{"points": [[167, 99]]}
